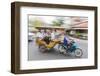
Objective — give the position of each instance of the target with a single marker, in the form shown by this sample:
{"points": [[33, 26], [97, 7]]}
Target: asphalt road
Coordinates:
{"points": [[35, 54]]}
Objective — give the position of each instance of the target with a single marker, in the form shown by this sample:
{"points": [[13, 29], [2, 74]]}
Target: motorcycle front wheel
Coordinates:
{"points": [[78, 52]]}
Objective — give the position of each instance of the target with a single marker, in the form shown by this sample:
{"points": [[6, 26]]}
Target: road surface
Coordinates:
{"points": [[35, 54]]}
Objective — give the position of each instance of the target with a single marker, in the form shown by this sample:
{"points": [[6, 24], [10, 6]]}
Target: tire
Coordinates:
{"points": [[42, 48], [61, 49], [78, 52]]}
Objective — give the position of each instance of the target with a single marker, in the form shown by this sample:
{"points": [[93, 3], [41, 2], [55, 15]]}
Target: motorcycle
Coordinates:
{"points": [[72, 47]]}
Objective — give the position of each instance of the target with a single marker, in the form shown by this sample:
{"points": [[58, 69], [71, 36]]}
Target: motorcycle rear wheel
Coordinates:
{"points": [[62, 50]]}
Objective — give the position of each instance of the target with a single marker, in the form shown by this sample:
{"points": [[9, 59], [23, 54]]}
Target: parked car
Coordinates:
{"points": [[31, 36]]}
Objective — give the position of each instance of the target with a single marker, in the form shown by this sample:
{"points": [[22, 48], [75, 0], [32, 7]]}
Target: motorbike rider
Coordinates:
{"points": [[65, 38]]}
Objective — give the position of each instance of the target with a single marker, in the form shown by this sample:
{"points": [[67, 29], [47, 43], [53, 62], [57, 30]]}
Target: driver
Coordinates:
{"points": [[65, 38]]}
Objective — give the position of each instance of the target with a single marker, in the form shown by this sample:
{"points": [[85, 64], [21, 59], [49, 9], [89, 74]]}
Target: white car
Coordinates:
{"points": [[31, 36]]}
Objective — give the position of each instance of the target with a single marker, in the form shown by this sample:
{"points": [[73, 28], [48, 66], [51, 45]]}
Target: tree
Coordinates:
{"points": [[36, 22], [58, 22]]}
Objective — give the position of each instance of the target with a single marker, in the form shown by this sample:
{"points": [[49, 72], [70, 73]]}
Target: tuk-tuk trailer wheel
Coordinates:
{"points": [[42, 48]]}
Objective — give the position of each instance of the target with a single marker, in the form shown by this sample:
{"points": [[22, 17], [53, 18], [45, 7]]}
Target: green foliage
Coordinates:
{"points": [[36, 22], [58, 22], [78, 33]]}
